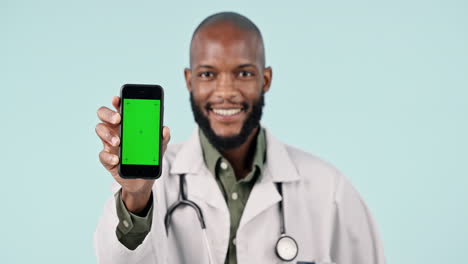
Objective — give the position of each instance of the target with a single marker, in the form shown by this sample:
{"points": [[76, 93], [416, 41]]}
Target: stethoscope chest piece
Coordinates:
{"points": [[286, 248]]}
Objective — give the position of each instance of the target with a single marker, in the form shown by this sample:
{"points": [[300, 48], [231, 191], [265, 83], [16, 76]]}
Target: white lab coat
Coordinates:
{"points": [[323, 212]]}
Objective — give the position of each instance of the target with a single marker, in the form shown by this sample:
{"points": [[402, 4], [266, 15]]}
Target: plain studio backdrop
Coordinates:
{"points": [[377, 89]]}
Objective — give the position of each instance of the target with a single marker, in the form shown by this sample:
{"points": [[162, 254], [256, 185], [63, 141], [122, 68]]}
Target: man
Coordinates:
{"points": [[249, 186]]}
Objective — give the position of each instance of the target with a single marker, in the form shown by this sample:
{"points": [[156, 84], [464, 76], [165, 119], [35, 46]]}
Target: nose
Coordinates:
{"points": [[225, 87]]}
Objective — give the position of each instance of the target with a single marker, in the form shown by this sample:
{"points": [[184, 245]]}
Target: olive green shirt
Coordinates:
{"points": [[132, 229]]}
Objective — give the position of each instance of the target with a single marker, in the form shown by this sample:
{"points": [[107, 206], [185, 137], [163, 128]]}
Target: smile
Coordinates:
{"points": [[226, 112]]}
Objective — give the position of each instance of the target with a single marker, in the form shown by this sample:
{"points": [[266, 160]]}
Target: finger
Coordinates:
{"points": [[109, 148], [107, 135], [166, 134], [108, 116], [116, 103], [166, 137], [108, 160]]}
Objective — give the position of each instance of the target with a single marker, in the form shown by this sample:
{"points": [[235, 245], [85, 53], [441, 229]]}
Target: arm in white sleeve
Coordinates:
{"points": [[356, 239], [153, 249]]}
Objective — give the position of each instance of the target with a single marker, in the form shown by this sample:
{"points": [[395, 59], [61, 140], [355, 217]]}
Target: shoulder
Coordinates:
{"points": [[172, 150], [316, 173], [308, 162], [310, 165]]}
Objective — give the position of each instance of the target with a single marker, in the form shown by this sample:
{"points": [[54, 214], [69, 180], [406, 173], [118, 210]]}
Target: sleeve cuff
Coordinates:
{"points": [[129, 222]]}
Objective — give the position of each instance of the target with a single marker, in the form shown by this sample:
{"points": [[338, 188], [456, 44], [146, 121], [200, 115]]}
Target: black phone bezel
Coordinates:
{"points": [[141, 91]]}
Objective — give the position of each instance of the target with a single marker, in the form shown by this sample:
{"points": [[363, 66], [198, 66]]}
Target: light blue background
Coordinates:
{"points": [[378, 89]]}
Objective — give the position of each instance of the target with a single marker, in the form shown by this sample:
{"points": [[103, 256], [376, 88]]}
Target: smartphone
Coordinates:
{"points": [[141, 109]]}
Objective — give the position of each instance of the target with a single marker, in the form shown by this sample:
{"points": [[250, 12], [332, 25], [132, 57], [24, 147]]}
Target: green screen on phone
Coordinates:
{"points": [[140, 139]]}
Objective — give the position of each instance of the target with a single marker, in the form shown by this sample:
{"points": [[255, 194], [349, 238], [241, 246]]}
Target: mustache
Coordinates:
{"points": [[221, 143]]}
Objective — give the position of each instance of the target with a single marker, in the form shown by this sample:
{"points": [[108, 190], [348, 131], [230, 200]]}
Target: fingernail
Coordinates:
{"points": [[115, 159], [115, 141]]}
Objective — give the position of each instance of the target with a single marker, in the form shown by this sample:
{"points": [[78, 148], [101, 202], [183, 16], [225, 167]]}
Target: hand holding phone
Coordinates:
{"points": [[135, 192]]}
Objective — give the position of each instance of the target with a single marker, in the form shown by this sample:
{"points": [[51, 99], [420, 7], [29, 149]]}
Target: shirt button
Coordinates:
{"points": [[234, 241], [125, 223], [234, 196], [223, 165]]}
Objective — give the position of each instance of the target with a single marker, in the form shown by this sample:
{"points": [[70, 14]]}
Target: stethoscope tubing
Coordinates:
{"points": [[184, 201]]}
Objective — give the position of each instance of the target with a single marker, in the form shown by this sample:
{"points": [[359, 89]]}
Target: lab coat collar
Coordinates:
{"points": [[279, 165], [189, 159]]}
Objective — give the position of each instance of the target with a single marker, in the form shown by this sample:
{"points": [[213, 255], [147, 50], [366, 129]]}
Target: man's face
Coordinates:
{"points": [[227, 79]]}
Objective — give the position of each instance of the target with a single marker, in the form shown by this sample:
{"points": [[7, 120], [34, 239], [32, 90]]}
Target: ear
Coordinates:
{"points": [[267, 76], [188, 78]]}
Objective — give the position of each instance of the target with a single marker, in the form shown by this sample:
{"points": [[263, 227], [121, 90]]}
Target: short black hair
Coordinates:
{"points": [[235, 19]]}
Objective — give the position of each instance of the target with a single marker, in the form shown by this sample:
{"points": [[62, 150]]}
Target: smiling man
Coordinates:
{"points": [[249, 198]]}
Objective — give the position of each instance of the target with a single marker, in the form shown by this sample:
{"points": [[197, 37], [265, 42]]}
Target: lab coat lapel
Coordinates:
{"points": [[201, 184], [279, 163], [263, 195], [279, 168]]}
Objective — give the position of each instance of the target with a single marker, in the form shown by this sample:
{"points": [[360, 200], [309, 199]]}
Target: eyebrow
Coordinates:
{"points": [[239, 67], [205, 66], [246, 65]]}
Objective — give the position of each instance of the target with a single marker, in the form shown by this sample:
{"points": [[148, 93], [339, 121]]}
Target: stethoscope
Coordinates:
{"points": [[286, 246]]}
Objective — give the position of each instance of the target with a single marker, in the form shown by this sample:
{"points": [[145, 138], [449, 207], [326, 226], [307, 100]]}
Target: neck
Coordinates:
{"points": [[241, 158]]}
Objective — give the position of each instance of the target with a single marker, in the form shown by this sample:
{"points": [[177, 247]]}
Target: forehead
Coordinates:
{"points": [[225, 44]]}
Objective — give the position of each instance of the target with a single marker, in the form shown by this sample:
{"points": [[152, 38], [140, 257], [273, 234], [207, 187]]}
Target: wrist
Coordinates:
{"points": [[136, 202]]}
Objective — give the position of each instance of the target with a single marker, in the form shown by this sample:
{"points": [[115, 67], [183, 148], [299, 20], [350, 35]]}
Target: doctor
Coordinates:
{"points": [[247, 197]]}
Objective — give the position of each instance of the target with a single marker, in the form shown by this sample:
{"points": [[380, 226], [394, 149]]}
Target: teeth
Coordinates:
{"points": [[227, 112]]}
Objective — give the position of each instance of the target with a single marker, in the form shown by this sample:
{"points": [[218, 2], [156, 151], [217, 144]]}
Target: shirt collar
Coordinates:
{"points": [[187, 158], [212, 156]]}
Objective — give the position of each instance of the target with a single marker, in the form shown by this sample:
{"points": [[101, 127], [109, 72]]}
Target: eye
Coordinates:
{"points": [[206, 74], [245, 74]]}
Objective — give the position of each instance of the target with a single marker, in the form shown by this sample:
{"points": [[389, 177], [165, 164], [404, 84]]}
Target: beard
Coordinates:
{"points": [[224, 143]]}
